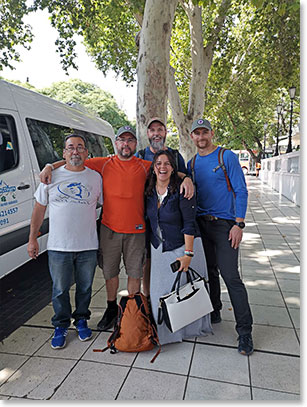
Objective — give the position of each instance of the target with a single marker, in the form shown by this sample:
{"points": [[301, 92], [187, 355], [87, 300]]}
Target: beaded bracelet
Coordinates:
{"points": [[189, 253]]}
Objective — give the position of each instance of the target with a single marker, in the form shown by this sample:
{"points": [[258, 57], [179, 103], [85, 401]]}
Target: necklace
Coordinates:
{"points": [[161, 196]]}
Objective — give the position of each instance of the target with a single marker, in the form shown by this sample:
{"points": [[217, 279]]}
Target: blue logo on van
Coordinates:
{"points": [[74, 190], [7, 194]]}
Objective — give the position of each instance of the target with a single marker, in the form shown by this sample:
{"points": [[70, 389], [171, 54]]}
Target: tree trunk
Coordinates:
{"points": [[153, 64], [201, 58]]}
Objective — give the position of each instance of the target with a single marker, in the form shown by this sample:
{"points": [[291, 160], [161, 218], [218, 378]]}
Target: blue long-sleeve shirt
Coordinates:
{"points": [[175, 217], [149, 155], [213, 197]]}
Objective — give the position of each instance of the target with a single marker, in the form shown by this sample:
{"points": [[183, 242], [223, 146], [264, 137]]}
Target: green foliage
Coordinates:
{"points": [[108, 28], [94, 99], [260, 62], [13, 31], [256, 56]]}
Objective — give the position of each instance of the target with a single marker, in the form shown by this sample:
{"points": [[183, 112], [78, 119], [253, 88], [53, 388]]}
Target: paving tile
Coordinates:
{"points": [[285, 261], [295, 315], [292, 299], [120, 358], [263, 283], [42, 318], [214, 362], [99, 299], [265, 297], [227, 312], [92, 381], [275, 339], [37, 378], [74, 348], [8, 366], [261, 394], [25, 340], [202, 389], [268, 315], [224, 333], [150, 385], [96, 315], [275, 372], [288, 273], [289, 285], [174, 358]]}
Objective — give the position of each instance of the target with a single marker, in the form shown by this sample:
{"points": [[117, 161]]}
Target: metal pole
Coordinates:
{"points": [[277, 136], [265, 126], [289, 148]]}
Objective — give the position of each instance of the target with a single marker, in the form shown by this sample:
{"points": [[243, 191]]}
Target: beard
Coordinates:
{"points": [[157, 144], [75, 161], [125, 152]]}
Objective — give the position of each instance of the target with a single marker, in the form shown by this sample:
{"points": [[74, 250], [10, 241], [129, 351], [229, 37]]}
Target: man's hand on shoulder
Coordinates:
{"points": [[46, 174], [188, 187]]}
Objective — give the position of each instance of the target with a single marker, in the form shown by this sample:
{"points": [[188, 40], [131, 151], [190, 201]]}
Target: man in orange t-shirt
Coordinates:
{"points": [[122, 230]]}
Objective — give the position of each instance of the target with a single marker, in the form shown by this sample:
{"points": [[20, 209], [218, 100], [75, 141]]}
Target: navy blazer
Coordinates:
{"points": [[176, 217]]}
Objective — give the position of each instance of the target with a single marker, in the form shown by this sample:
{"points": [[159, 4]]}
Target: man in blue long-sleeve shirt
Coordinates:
{"points": [[221, 210]]}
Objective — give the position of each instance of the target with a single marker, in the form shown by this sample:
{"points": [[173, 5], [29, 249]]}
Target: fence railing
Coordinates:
{"points": [[283, 174]]}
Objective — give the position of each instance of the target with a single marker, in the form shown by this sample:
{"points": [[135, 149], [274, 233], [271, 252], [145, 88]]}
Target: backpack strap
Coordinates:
{"points": [[176, 155], [155, 339], [222, 165], [192, 168], [141, 153]]}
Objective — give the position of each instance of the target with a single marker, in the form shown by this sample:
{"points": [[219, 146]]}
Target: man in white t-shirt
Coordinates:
{"points": [[72, 243]]}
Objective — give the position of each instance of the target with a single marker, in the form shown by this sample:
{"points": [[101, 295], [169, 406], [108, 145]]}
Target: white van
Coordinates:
{"points": [[32, 130]]}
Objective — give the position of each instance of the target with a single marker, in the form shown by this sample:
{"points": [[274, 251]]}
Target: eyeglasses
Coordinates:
{"points": [[126, 140], [71, 149]]}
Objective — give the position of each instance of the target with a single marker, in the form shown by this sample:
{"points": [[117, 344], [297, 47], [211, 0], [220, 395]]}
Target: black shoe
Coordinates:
{"points": [[216, 317], [246, 346], [108, 320]]}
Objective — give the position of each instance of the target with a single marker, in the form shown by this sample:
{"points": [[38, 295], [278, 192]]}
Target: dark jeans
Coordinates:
{"points": [[63, 266], [221, 257]]}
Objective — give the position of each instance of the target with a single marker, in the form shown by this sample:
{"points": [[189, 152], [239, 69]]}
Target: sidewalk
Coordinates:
{"points": [[208, 368]]}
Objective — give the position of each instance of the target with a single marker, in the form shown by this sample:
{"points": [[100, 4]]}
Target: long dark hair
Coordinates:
{"points": [[152, 178]]}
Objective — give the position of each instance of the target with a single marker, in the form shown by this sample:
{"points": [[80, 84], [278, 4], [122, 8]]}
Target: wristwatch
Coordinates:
{"points": [[240, 224]]}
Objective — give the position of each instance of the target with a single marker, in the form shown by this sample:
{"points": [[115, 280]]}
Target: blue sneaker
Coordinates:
{"points": [[58, 340], [84, 332]]}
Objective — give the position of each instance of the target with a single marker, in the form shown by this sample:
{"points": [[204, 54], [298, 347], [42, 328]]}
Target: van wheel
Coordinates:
{"points": [[244, 169]]}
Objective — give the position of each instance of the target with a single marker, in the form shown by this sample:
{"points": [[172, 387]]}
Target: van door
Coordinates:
{"points": [[16, 192]]}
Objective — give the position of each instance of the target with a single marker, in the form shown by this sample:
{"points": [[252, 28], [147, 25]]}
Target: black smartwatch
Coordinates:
{"points": [[240, 224]]}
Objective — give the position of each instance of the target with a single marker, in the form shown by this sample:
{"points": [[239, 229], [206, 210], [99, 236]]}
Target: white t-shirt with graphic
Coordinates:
{"points": [[72, 197]]}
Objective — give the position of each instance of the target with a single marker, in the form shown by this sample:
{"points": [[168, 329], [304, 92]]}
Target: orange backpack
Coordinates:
{"points": [[135, 329]]}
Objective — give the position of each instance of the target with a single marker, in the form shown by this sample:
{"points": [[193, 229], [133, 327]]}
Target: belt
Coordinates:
{"points": [[210, 217]]}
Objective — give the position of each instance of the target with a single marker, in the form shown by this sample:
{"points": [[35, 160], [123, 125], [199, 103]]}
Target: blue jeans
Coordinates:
{"points": [[63, 266]]}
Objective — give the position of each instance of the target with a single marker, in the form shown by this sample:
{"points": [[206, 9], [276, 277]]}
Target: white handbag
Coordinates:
{"points": [[185, 304]]}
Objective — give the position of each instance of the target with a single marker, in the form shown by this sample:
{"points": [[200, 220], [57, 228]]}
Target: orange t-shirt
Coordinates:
{"points": [[123, 192]]}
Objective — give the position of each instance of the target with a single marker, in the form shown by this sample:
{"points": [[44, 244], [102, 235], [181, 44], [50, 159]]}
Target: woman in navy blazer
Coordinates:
{"points": [[173, 235]]}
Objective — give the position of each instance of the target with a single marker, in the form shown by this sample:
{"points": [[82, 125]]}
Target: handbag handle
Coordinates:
{"points": [[176, 285], [198, 275]]}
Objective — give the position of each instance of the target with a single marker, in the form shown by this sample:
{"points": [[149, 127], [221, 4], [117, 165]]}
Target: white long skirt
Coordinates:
{"points": [[161, 282]]}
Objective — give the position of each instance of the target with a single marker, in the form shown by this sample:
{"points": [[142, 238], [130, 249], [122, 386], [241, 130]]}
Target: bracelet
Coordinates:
{"points": [[50, 165], [189, 253], [186, 176]]}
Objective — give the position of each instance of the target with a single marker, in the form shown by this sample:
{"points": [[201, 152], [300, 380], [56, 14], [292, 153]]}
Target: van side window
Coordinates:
{"points": [[48, 139], [8, 143]]}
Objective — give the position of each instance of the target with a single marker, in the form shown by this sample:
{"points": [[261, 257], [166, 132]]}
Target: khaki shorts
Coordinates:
{"points": [[113, 245]]}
